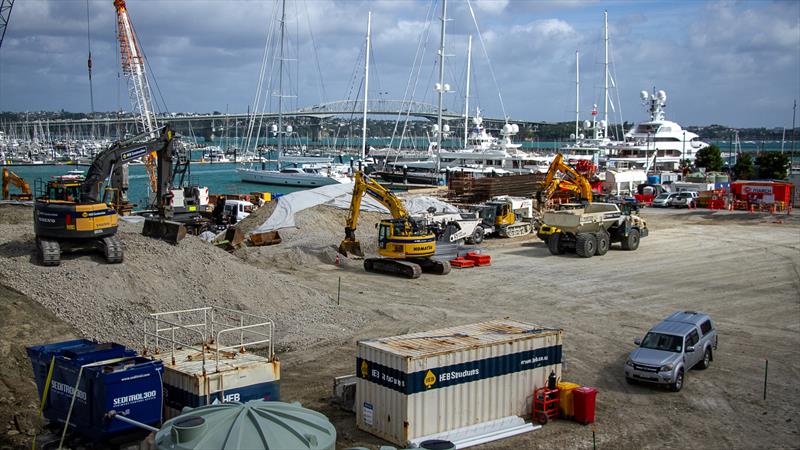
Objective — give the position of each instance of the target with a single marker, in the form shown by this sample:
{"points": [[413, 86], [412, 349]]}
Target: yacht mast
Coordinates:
{"points": [[577, 94], [466, 95], [366, 89], [440, 87], [280, 82], [605, 75]]}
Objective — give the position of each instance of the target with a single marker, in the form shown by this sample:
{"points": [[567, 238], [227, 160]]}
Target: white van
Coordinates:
{"points": [[238, 209]]}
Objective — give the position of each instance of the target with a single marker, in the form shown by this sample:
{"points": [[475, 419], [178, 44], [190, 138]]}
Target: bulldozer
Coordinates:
{"points": [[70, 216], [406, 246]]}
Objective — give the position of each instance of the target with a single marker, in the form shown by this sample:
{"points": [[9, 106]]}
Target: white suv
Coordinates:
{"points": [[686, 199], [664, 199]]}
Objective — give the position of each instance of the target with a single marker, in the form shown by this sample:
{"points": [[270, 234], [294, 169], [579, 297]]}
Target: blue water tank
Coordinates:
{"points": [[113, 378]]}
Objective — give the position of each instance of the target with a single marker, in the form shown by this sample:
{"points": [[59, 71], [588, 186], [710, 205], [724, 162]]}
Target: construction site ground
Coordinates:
{"points": [[742, 269]]}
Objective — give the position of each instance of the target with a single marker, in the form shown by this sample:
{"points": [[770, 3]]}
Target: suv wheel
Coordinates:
{"points": [[678, 384], [706, 359]]}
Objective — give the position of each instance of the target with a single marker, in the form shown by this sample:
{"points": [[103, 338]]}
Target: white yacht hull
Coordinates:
{"points": [[276, 178]]}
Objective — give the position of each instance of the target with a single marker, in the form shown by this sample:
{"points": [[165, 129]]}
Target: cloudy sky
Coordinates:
{"points": [[725, 62]]}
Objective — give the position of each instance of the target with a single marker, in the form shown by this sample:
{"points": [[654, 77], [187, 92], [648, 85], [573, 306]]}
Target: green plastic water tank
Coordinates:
{"points": [[255, 425]]}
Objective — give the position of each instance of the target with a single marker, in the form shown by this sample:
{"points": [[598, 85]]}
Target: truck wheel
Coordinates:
{"points": [[477, 235], [678, 384], [554, 244], [631, 241], [585, 245], [603, 242], [706, 361]]}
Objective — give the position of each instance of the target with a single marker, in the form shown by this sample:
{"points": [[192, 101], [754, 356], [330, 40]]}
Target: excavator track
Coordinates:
{"points": [[112, 249], [516, 230], [49, 252], [433, 266], [388, 266]]}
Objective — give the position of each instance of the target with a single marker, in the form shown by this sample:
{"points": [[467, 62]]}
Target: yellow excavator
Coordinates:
{"points": [[405, 246], [70, 216], [10, 178], [572, 181]]}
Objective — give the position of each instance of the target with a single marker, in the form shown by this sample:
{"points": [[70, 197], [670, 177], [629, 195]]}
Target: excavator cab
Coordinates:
{"points": [[402, 238]]}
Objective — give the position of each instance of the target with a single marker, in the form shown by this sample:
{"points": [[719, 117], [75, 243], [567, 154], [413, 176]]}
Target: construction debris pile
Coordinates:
{"points": [[104, 301]]}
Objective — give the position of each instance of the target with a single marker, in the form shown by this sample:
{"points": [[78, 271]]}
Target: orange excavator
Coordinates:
{"points": [[12, 179]]}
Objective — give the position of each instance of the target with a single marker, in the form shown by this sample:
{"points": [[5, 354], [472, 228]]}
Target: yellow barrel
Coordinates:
{"points": [[565, 402]]}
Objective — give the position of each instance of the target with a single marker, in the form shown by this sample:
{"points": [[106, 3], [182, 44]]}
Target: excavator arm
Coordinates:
{"points": [[574, 181], [10, 178], [366, 185], [121, 153]]}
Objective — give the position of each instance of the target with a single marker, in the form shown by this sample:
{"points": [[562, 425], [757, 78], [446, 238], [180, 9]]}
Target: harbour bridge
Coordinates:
{"points": [[311, 118]]}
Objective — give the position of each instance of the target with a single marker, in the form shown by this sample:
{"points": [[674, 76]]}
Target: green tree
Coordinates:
{"points": [[744, 169], [773, 165], [709, 158]]}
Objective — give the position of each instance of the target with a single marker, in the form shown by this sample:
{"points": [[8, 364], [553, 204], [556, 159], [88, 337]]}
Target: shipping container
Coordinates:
{"points": [[213, 355], [425, 383]]}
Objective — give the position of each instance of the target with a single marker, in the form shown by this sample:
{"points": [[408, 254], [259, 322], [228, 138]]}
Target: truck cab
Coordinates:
{"points": [[682, 341]]}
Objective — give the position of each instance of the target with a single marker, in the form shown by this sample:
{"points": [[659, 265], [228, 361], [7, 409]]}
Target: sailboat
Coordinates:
{"points": [[299, 174]]}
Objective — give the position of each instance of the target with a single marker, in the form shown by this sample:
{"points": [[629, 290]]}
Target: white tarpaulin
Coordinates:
{"points": [[290, 204], [339, 196]]}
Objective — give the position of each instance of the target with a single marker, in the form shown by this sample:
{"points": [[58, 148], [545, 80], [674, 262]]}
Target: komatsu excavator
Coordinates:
{"points": [[405, 246], [70, 216]]}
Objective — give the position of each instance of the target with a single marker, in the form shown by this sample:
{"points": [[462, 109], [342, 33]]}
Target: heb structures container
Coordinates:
{"points": [[425, 383], [237, 378], [112, 377]]}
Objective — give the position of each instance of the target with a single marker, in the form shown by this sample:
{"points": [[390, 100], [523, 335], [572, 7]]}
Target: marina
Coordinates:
{"points": [[399, 225]]}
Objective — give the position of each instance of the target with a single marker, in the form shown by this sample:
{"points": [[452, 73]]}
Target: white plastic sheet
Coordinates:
{"points": [[290, 204], [340, 196]]}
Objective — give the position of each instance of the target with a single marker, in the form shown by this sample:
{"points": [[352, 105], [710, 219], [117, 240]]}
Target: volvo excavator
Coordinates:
{"points": [[70, 216], [405, 246]]}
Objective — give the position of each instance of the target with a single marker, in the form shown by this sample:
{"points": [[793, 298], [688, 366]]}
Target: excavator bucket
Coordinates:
{"points": [[351, 248], [166, 230]]}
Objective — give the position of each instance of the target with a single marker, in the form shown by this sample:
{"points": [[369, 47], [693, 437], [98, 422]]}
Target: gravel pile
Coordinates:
{"points": [[106, 301], [319, 231]]}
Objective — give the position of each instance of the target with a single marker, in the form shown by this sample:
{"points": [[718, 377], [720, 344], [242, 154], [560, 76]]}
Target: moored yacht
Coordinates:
{"points": [[657, 144], [305, 175]]}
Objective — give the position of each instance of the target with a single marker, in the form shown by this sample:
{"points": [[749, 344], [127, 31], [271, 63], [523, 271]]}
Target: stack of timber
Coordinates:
{"points": [[464, 189]]}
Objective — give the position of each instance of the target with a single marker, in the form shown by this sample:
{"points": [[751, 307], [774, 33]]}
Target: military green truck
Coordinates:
{"points": [[590, 229]]}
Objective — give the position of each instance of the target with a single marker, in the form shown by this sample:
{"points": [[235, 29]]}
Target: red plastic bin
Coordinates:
{"points": [[585, 399], [479, 259]]}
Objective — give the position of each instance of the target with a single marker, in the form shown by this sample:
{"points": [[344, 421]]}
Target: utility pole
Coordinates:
{"points": [[577, 94]]}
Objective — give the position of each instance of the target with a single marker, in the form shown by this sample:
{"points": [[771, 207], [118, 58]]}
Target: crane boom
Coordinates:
{"points": [[5, 14], [133, 66]]}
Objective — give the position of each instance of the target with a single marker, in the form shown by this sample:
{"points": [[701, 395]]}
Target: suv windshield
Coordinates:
{"points": [[662, 196], [666, 342]]}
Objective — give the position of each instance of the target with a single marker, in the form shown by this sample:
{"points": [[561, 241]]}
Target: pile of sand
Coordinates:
{"points": [[108, 301]]}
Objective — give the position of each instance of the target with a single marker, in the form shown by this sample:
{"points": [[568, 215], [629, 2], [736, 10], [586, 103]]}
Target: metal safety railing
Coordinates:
{"points": [[211, 329]]}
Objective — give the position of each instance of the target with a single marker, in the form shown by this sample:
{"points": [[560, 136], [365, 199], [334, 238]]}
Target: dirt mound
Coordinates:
{"points": [[319, 231], [16, 213], [106, 301]]}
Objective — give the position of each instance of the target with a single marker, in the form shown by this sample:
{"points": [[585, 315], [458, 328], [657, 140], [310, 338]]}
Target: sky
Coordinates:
{"points": [[734, 63]]}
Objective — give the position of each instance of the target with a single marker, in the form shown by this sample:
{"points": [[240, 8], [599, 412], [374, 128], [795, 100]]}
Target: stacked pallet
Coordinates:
{"points": [[465, 189]]}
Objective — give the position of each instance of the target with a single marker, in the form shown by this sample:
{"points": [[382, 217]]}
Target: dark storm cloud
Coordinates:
{"points": [[721, 62]]}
